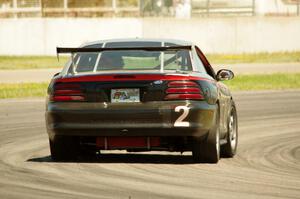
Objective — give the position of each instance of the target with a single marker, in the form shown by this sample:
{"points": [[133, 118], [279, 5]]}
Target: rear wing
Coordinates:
{"points": [[60, 50]]}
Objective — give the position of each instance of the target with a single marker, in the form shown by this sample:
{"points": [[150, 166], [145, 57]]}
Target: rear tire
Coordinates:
{"points": [[208, 149], [229, 149], [64, 148]]}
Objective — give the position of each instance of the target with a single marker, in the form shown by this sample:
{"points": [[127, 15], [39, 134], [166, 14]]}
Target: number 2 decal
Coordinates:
{"points": [[179, 121]]}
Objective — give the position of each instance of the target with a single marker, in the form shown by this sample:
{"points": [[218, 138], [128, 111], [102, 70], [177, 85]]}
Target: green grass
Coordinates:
{"points": [[239, 83], [23, 90], [31, 62], [264, 82], [278, 57], [43, 62]]}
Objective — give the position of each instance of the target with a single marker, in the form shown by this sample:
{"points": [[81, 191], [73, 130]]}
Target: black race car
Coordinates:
{"points": [[140, 95]]}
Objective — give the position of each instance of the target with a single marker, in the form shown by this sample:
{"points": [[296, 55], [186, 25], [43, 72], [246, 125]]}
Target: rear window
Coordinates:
{"points": [[126, 60]]}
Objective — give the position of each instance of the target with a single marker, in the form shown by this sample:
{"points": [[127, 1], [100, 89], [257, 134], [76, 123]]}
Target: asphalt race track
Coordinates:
{"points": [[267, 164]]}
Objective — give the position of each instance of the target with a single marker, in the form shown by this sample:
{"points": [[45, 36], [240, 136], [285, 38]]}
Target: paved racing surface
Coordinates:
{"points": [[267, 164]]}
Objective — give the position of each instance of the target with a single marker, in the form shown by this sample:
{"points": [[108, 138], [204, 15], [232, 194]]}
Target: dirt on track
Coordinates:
{"points": [[267, 164]]}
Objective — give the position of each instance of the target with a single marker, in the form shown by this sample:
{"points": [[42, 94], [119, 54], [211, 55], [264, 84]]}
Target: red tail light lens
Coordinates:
{"points": [[184, 97], [183, 90], [65, 98], [63, 86], [183, 84], [67, 92]]}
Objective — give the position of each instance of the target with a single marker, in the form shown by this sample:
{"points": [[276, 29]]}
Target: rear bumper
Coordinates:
{"points": [[130, 119]]}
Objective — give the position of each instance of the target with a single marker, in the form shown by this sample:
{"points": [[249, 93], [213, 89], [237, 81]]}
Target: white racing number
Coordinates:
{"points": [[179, 121]]}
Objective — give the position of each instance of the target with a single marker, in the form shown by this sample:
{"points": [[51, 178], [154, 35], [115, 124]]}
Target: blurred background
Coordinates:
{"points": [[259, 38], [36, 27], [146, 8]]}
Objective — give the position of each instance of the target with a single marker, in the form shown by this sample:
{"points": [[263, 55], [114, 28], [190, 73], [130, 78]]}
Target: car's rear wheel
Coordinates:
{"points": [[229, 149], [64, 148], [208, 149]]}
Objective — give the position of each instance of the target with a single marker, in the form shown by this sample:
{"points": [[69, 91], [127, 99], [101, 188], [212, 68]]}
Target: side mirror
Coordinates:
{"points": [[224, 74]]}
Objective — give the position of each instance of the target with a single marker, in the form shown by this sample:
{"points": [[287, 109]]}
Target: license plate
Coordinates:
{"points": [[125, 95]]}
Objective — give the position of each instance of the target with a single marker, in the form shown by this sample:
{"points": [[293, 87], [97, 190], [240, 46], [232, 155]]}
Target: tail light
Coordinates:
{"points": [[67, 92], [183, 90]]}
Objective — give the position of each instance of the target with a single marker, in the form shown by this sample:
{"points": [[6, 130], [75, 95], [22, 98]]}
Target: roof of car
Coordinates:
{"points": [[174, 41]]}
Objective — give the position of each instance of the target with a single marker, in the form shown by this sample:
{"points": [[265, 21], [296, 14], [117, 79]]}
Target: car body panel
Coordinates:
{"points": [[151, 113], [132, 119]]}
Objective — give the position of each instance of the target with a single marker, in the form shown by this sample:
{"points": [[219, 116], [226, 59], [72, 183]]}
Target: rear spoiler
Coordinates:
{"points": [[60, 50]]}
